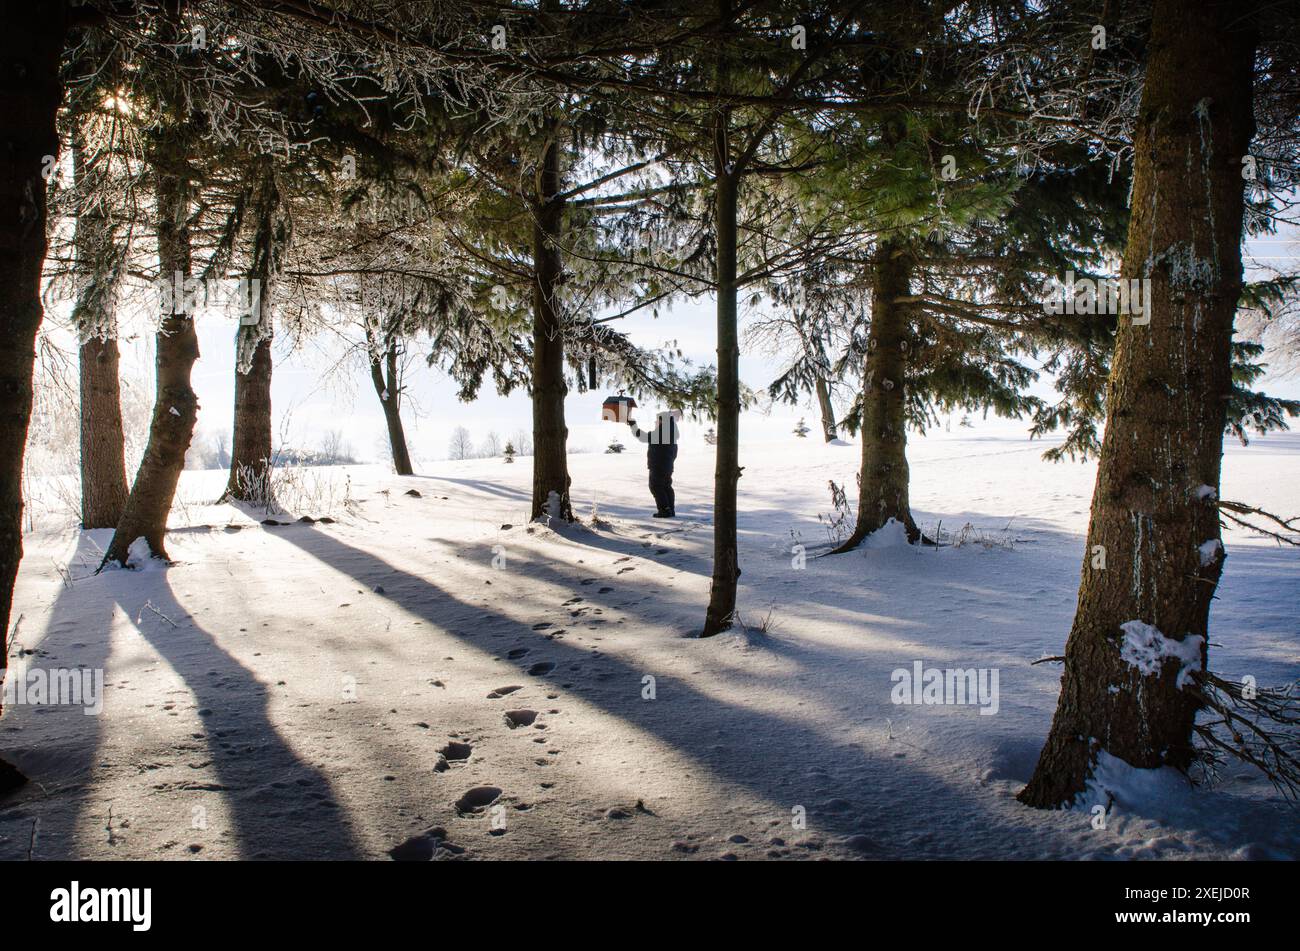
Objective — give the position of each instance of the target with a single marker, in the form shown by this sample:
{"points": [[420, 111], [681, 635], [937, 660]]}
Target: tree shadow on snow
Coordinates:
{"points": [[783, 758], [891, 793], [279, 805], [57, 746]]}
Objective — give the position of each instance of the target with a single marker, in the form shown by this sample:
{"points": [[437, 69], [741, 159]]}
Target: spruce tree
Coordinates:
{"points": [[103, 173], [1140, 633]]}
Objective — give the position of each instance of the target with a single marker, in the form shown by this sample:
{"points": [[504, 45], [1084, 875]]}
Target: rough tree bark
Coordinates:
{"points": [[1154, 556], [883, 493], [827, 408], [390, 399], [250, 444], [250, 450], [30, 91], [104, 489], [176, 406], [726, 473], [550, 432], [100, 262]]}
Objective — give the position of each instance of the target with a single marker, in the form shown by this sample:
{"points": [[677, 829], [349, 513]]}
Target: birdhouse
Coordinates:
{"points": [[615, 409]]}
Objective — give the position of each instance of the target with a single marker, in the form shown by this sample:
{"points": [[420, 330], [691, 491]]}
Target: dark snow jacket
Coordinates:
{"points": [[661, 441]]}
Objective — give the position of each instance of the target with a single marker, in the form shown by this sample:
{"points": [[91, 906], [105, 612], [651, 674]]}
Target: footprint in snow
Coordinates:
{"points": [[456, 751], [627, 812], [477, 799], [502, 691], [422, 848], [541, 668], [517, 653], [518, 718]]}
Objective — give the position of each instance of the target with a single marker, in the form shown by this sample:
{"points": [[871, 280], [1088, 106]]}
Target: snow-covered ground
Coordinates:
{"points": [[285, 690]]}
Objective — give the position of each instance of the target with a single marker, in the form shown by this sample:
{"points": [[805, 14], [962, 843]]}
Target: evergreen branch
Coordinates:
{"points": [[1241, 508], [1262, 727]]}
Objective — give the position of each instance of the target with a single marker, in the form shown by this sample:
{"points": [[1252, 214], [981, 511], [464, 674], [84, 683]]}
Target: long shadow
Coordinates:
{"points": [[766, 753], [1275, 443], [635, 547], [622, 510], [490, 488], [695, 513], [759, 750], [57, 747], [280, 806]]}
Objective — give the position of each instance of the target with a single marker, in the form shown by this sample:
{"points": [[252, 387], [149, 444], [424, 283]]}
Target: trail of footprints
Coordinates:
{"points": [[476, 801]]}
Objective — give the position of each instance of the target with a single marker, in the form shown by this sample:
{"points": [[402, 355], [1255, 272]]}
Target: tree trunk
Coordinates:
{"points": [[827, 408], [250, 451], [30, 92], [883, 492], [250, 444], [100, 260], [726, 473], [389, 394], [1154, 557], [550, 433], [176, 407], [103, 456]]}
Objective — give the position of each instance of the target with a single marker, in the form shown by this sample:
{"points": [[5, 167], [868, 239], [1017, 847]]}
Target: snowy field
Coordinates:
{"points": [[432, 662]]}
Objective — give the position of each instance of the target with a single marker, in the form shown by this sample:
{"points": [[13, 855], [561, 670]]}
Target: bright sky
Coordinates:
{"points": [[307, 403]]}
